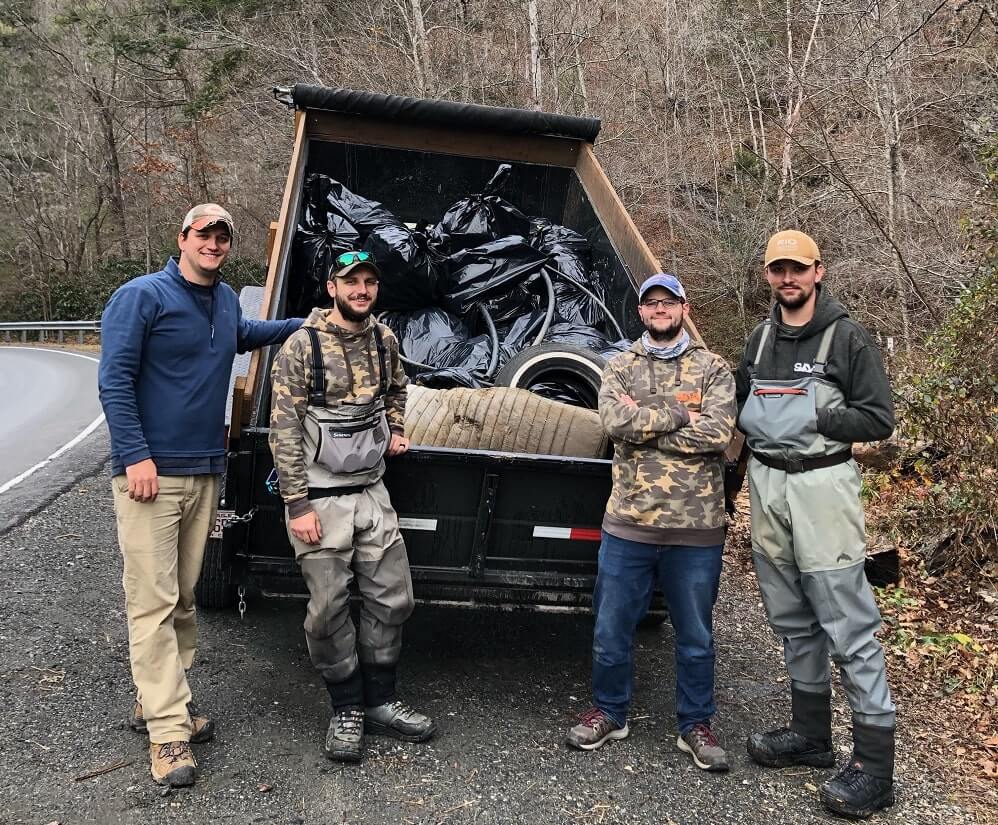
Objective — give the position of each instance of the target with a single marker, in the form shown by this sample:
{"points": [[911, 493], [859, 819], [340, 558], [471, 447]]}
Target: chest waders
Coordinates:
{"points": [[809, 548], [345, 447]]}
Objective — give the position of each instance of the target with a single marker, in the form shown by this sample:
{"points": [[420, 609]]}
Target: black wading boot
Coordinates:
{"points": [[866, 784], [345, 735], [808, 740]]}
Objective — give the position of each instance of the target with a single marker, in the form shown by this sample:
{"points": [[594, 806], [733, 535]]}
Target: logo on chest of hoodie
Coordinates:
{"points": [[803, 366]]}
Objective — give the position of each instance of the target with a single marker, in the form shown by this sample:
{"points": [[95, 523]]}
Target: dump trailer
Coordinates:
{"points": [[482, 527]]}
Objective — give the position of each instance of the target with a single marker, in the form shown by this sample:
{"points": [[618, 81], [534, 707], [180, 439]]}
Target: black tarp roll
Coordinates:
{"points": [[446, 113]]}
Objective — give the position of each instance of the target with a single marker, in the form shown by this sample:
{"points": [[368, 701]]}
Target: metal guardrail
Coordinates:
{"points": [[42, 328]]}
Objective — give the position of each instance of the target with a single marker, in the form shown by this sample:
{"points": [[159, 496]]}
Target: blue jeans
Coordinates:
{"points": [[688, 577]]}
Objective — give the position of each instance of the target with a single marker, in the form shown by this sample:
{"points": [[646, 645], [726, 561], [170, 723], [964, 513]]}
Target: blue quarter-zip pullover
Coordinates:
{"points": [[167, 347]]}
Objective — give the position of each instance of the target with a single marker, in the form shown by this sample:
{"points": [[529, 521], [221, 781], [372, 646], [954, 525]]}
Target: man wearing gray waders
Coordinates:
{"points": [[338, 409], [811, 383]]}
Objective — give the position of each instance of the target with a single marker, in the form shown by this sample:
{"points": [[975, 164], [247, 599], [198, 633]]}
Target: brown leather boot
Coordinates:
{"points": [[172, 763], [202, 727]]}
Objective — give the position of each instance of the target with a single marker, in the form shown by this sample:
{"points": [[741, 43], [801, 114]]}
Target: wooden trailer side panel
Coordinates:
{"points": [[278, 252]]}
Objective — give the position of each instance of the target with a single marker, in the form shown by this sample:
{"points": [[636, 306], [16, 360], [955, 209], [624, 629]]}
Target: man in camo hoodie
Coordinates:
{"points": [[668, 404], [338, 405]]}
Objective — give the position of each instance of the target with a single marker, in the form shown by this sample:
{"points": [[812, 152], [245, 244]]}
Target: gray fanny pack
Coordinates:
{"points": [[349, 438]]}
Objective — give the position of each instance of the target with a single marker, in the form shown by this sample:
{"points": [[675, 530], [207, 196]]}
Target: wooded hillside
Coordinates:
{"points": [[860, 122]]}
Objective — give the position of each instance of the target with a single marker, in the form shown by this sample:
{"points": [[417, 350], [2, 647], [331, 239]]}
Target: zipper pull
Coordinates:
{"points": [[212, 333]]}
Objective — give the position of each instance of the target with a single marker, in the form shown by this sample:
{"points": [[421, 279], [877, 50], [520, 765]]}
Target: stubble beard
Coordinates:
{"points": [[793, 303]]}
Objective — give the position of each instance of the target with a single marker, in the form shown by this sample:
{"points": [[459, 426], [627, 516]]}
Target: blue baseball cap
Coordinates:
{"points": [[666, 281]]}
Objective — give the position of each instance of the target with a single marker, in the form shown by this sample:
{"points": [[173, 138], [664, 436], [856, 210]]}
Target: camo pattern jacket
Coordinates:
{"points": [[668, 473], [352, 377]]}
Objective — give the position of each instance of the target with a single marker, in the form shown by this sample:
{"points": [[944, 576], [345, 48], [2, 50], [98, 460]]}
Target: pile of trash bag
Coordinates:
{"points": [[463, 295]]}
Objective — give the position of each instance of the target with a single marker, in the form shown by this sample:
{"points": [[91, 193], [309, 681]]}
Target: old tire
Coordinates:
{"points": [[576, 367], [216, 586], [501, 419]]}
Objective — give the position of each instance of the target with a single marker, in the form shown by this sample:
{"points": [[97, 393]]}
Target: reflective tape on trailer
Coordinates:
{"points": [[571, 533], [428, 524]]}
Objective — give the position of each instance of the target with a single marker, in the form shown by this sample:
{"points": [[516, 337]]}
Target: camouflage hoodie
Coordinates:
{"points": [[351, 361], [668, 474]]}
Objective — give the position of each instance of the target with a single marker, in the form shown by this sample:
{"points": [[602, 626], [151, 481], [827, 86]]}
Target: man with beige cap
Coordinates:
{"points": [[810, 383], [168, 342]]}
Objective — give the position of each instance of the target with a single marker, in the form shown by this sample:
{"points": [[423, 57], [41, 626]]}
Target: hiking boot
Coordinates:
{"points": [[172, 763], [202, 728], [782, 748], [345, 736], [397, 719], [594, 729], [700, 743], [855, 794]]}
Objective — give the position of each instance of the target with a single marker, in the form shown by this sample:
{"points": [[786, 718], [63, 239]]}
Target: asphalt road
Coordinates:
{"points": [[504, 688], [48, 407]]}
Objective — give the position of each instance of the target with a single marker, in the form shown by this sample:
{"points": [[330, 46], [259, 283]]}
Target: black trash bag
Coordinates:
{"points": [[312, 254], [574, 395], [489, 271], [478, 219], [518, 335], [623, 345], [451, 378], [321, 236], [572, 261], [443, 341], [563, 332], [409, 268], [325, 195]]}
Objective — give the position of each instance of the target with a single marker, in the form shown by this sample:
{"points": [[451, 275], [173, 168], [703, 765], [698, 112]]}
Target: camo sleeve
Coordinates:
{"points": [[630, 423], [713, 429], [396, 395], [287, 413]]}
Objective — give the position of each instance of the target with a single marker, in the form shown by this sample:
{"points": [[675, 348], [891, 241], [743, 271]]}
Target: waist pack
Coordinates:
{"points": [[349, 438]]}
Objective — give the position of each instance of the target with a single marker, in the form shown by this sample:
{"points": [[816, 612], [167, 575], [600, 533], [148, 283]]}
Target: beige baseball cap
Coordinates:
{"points": [[791, 245], [207, 214]]}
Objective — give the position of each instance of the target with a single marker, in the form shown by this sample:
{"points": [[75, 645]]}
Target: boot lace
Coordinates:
{"points": [[350, 721], [853, 777], [174, 752], [703, 736], [593, 718], [400, 708]]}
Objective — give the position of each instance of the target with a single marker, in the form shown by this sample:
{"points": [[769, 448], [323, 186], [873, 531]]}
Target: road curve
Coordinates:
{"points": [[48, 401]]}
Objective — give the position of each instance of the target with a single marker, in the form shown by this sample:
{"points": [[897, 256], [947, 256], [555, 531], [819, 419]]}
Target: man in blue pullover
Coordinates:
{"points": [[169, 339]]}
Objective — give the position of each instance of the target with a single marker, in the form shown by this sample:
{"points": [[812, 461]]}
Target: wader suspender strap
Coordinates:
{"points": [[317, 386], [382, 360], [823, 349], [758, 352], [820, 360]]}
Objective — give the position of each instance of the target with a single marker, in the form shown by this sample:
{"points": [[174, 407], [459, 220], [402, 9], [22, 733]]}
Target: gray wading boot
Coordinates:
{"points": [[345, 736], [808, 740], [398, 720], [866, 784]]}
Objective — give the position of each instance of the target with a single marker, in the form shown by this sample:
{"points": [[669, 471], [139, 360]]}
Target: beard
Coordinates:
{"points": [[795, 302], [667, 334], [350, 314]]}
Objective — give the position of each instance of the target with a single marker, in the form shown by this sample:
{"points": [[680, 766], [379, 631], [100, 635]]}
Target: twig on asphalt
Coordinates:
{"points": [[121, 763]]}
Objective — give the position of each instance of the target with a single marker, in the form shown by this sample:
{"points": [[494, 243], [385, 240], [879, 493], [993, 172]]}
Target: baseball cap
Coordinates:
{"points": [[347, 262], [791, 245], [666, 281], [207, 214]]}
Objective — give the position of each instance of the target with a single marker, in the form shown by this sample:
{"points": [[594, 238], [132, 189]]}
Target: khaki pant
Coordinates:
{"points": [[162, 543]]}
